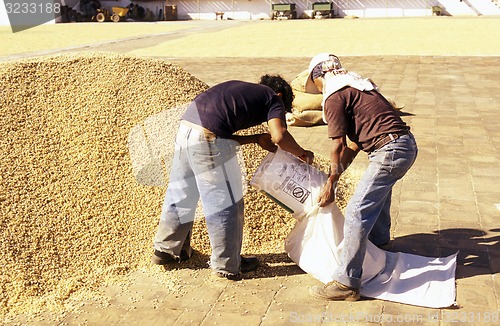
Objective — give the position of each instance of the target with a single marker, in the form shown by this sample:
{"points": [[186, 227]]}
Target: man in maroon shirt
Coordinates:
{"points": [[353, 108]]}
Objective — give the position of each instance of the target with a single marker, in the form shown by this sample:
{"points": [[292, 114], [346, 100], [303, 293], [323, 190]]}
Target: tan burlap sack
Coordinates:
{"points": [[304, 101], [307, 106], [305, 118], [307, 102], [299, 82]]}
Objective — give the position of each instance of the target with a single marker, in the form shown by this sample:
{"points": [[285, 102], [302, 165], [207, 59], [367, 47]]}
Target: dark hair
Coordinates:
{"points": [[279, 85]]}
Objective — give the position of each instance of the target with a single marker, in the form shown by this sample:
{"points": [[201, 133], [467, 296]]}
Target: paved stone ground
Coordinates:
{"points": [[448, 202]]}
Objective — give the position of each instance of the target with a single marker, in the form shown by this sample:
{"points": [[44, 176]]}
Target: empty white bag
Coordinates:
{"points": [[315, 243]]}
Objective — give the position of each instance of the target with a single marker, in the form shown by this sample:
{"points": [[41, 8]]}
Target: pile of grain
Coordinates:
{"points": [[71, 213], [72, 216]]}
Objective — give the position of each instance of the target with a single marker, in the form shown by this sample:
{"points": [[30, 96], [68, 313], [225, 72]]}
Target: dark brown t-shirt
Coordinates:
{"points": [[362, 116]]}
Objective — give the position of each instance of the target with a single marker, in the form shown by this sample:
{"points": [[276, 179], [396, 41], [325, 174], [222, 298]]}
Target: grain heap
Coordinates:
{"points": [[71, 212], [72, 216]]}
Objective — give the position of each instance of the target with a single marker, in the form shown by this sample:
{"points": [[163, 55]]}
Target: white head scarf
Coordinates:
{"points": [[335, 77]]}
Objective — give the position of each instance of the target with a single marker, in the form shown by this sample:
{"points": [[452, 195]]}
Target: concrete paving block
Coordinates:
{"points": [[420, 187], [495, 262], [151, 316], [254, 301], [281, 313], [421, 174], [398, 314], [425, 194], [146, 296], [231, 318], [419, 206], [485, 168], [359, 312], [458, 211], [476, 298], [488, 215], [453, 178], [485, 184], [419, 220], [475, 276], [452, 224], [97, 315], [201, 299], [463, 193], [189, 318], [297, 292]]}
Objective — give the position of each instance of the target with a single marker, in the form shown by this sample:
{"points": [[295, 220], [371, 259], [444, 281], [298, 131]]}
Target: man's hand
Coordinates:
{"points": [[307, 157], [327, 195], [265, 141]]}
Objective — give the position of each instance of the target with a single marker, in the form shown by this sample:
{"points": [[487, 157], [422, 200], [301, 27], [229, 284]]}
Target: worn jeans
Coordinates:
{"points": [[204, 167], [367, 215]]}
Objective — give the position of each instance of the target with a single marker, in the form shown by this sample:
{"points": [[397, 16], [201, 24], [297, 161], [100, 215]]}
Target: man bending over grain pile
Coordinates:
{"points": [[205, 166], [354, 109]]}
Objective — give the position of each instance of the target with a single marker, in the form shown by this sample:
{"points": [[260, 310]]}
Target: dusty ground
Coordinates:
{"points": [[51, 37], [467, 36]]}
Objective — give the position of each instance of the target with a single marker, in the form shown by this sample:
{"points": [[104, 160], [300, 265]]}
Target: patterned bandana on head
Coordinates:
{"points": [[331, 65], [335, 78]]}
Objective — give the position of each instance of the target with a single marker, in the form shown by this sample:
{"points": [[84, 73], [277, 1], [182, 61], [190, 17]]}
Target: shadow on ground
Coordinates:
{"points": [[272, 265], [477, 249], [477, 252]]}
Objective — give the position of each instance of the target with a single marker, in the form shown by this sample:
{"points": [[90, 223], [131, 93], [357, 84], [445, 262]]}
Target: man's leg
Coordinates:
{"points": [[381, 231], [179, 206], [219, 180], [386, 167]]}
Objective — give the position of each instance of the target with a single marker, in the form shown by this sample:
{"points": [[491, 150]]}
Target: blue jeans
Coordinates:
{"points": [[367, 215], [206, 167]]}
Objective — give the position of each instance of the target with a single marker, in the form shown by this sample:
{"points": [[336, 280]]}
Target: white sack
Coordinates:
{"points": [[315, 243], [289, 181]]}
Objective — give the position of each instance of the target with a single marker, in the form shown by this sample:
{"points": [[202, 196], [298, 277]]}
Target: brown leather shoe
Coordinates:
{"points": [[335, 291]]}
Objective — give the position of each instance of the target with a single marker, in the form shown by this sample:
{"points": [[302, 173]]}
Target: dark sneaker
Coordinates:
{"points": [[163, 258], [229, 276], [335, 291], [249, 263], [186, 254]]}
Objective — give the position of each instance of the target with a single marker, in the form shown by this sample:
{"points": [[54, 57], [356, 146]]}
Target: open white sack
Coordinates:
{"points": [[315, 243]]}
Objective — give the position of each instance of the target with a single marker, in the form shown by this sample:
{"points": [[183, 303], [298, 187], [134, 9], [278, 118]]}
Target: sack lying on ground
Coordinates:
{"points": [[315, 243], [306, 102]]}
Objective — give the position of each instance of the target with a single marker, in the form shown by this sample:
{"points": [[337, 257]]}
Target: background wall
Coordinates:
{"points": [[261, 9]]}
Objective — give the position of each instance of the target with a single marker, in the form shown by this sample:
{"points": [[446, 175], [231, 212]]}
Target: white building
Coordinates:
{"points": [[262, 9]]}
